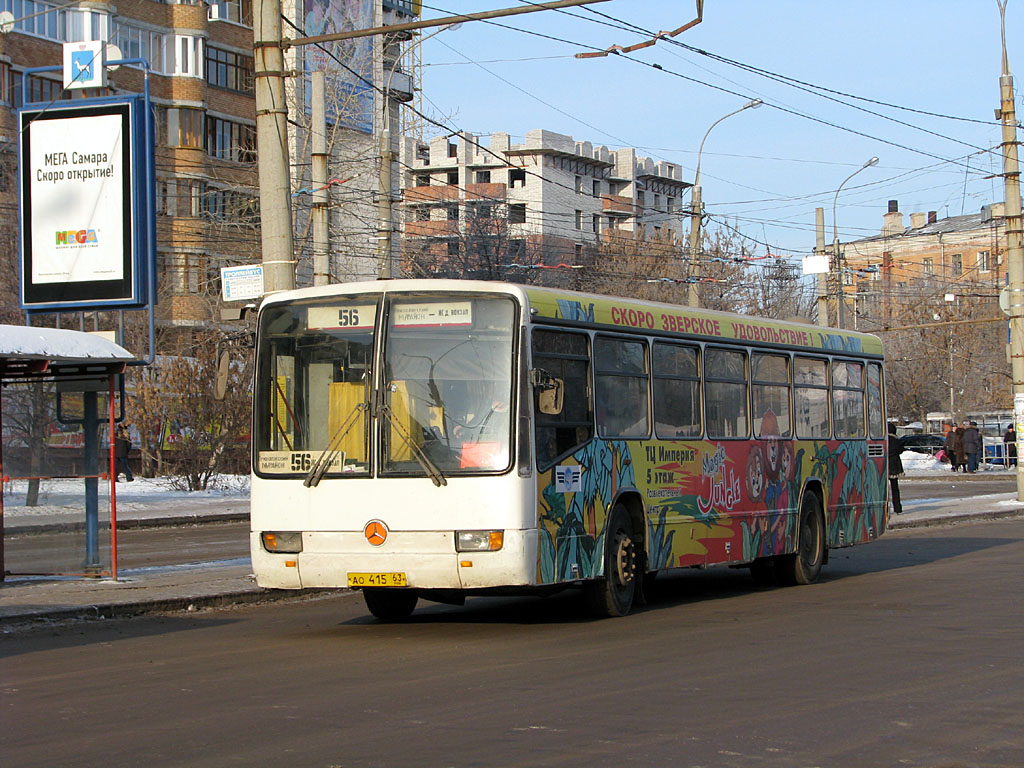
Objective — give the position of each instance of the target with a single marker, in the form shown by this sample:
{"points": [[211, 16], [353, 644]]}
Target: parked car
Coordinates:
{"points": [[930, 444]]}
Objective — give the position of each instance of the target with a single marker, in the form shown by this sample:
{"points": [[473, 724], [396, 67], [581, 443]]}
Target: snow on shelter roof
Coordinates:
{"points": [[28, 351]]}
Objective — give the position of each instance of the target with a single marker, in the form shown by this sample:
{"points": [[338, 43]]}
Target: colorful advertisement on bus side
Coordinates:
{"points": [[706, 502], [635, 316]]}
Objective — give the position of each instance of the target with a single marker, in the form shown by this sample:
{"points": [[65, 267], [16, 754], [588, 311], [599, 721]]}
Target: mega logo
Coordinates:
{"points": [[77, 237]]}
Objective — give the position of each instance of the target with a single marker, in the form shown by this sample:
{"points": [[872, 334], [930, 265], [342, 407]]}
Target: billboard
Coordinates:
{"points": [[348, 63], [85, 199]]}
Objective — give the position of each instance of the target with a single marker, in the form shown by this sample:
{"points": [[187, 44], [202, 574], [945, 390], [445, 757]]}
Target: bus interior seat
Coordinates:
{"points": [[344, 398]]}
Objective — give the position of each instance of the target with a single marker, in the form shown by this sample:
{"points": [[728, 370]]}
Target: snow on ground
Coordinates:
{"points": [[140, 498], [917, 463]]}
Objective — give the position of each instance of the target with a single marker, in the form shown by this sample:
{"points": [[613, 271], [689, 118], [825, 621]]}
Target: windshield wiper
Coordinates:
{"points": [[429, 467], [326, 457]]}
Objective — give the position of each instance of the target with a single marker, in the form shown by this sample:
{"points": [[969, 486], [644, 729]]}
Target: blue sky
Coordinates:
{"points": [[763, 170]]}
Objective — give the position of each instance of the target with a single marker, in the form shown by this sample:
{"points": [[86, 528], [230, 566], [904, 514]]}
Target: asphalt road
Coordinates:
{"points": [[137, 547], [908, 652], [950, 485]]}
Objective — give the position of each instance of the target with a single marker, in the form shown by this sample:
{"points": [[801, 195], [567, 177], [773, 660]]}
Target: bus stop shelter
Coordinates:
{"points": [[76, 362]]}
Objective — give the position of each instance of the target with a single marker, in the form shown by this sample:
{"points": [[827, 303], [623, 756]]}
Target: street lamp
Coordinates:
{"points": [[836, 261], [697, 209], [384, 206]]}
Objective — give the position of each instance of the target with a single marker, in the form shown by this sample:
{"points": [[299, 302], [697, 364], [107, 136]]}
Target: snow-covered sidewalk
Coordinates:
{"points": [[62, 501]]}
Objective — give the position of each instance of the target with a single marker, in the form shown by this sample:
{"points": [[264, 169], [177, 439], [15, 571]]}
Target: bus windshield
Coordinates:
{"points": [[448, 384], [314, 382]]}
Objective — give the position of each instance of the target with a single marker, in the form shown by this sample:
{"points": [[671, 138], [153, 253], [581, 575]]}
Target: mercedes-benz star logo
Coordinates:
{"points": [[376, 532]]}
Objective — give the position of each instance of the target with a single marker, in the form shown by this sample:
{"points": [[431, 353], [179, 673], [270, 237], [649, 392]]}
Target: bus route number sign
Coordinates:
{"points": [[348, 317], [377, 580], [291, 462]]}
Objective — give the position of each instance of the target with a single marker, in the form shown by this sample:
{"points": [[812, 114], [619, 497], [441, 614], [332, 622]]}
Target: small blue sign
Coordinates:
{"points": [[82, 63]]}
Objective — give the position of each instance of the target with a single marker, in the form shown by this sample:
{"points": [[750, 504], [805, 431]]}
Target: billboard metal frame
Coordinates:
{"points": [[138, 291]]}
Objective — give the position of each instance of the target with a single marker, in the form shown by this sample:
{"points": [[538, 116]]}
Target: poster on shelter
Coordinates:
{"points": [[348, 63], [86, 197], [77, 187]]}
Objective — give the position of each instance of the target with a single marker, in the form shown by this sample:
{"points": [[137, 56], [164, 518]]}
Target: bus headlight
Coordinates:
{"points": [[479, 541], [282, 541]]}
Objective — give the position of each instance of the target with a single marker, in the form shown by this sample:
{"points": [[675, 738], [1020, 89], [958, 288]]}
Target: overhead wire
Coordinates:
{"points": [[943, 160], [661, 68]]}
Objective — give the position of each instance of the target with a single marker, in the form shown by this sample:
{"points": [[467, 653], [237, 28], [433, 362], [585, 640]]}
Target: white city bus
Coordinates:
{"points": [[440, 439]]}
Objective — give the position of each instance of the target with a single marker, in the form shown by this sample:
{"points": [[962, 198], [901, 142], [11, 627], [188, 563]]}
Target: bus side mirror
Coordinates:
{"points": [[550, 392]]}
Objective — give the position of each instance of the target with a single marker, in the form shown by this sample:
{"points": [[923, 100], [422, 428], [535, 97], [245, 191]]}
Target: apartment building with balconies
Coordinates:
{"points": [[201, 86], [483, 203]]}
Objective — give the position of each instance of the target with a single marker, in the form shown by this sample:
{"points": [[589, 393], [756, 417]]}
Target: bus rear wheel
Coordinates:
{"points": [[390, 604], [613, 594], [804, 565]]}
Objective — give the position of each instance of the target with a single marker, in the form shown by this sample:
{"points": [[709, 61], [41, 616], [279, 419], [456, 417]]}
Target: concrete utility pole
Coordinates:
{"points": [[697, 211], [386, 223], [277, 240], [1014, 242], [819, 248], [321, 192]]}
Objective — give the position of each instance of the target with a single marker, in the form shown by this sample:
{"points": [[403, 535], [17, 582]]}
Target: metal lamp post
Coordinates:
{"points": [[697, 210], [836, 261]]}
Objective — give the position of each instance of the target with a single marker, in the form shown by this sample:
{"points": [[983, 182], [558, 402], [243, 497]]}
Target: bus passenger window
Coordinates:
{"points": [[876, 416], [725, 392], [810, 376], [848, 399], [564, 356], [676, 391], [620, 376], [769, 394]]}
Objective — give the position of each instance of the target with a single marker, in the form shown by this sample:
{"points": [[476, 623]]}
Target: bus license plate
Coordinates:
{"points": [[377, 580]]}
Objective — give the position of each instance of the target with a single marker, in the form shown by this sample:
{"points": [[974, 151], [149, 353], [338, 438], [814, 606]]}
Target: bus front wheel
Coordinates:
{"points": [[390, 604], [613, 594], [804, 565]]}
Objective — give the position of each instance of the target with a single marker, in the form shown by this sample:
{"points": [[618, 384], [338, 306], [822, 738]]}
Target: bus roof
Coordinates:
{"points": [[570, 308], [585, 310]]}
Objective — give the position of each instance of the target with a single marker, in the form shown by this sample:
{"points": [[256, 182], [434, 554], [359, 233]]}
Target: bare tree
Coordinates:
{"points": [[483, 243], [187, 432], [729, 276], [624, 264], [938, 366]]}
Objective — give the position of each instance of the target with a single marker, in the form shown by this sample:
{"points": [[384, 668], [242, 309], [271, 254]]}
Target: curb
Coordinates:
{"points": [[896, 523], [977, 477], [130, 524], [189, 604]]}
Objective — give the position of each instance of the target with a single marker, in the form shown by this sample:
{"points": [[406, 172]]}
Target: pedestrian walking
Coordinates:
{"points": [[122, 445], [1010, 446], [955, 448], [973, 445], [895, 469]]}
